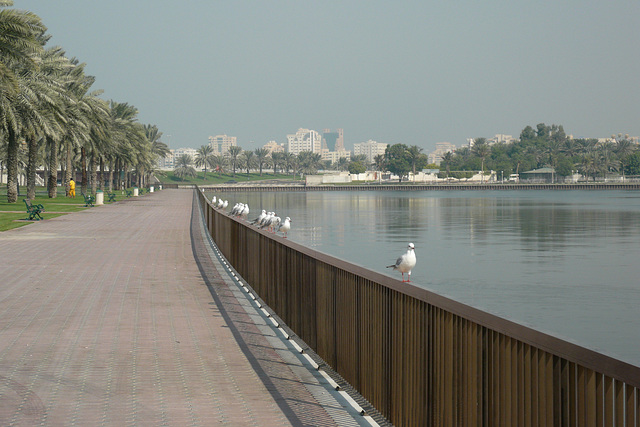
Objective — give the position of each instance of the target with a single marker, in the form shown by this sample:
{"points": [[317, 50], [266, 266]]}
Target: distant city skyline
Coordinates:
{"points": [[406, 72]]}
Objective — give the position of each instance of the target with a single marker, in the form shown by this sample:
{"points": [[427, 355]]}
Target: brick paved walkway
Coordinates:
{"points": [[122, 315]]}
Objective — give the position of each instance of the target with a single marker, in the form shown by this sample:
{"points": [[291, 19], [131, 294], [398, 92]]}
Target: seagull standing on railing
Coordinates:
{"points": [[406, 262], [285, 227], [260, 218], [266, 220], [245, 212]]}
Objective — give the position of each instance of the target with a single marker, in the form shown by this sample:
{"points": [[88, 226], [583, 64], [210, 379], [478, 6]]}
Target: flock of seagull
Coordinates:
{"points": [[273, 223], [266, 220]]}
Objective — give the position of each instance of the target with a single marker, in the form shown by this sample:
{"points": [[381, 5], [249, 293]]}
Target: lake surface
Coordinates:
{"points": [[564, 262]]}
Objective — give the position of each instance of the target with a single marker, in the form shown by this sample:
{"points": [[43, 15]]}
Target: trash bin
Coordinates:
{"points": [[135, 191], [151, 189], [161, 186], [99, 198]]}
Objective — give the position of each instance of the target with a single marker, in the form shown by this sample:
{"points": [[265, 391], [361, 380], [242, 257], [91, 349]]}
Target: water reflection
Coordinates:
{"points": [[564, 262]]}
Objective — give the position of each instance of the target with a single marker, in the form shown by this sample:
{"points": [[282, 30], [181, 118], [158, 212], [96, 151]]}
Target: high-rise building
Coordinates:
{"points": [[304, 140], [333, 141], [221, 143], [370, 149]]}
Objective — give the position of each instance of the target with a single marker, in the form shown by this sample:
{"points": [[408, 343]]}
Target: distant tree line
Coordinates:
{"points": [[548, 146]]}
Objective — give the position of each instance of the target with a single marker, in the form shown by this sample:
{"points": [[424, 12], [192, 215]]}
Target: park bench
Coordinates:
{"points": [[33, 210], [89, 200], [111, 197], [141, 191], [129, 193]]}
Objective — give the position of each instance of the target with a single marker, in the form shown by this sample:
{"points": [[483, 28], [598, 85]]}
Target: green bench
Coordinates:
{"points": [[33, 210], [129, 193], [141, 191], [111, 197], [89, 200]]}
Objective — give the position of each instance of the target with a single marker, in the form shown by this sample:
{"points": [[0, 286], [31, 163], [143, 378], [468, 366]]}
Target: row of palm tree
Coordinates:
{"points": [[236, 159], [49, 110]]}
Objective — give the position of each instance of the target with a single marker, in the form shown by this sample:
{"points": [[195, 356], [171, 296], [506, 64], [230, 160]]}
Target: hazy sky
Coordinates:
{"points": [[413, 72]]}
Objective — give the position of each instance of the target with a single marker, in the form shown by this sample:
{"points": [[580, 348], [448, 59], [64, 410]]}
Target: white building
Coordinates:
{"points": [[304, 140], [274, 147], [441, 149], [182, 151], [335, 156], [221, 143], [371, 149]]}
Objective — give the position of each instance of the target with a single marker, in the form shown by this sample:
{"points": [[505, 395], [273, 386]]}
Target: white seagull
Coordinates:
{"points": [[260, 218], [285, 227], [245, 212], [406, 262]]}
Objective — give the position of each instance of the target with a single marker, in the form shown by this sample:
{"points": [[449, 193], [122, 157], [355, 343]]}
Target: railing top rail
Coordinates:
{"points": [[588, 358]]}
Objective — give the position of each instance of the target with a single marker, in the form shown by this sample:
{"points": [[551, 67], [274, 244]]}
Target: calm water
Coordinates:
{"points": [[563, 262]]}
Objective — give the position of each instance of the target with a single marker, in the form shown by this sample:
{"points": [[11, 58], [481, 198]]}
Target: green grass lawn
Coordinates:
{"points": [[12, 213], [215, 179]]}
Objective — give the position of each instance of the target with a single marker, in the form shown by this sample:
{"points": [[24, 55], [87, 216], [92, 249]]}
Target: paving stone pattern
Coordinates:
{"points": [[122, 315]]}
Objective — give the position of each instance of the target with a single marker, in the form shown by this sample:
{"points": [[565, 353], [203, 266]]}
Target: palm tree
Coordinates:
{"points": [[262, 154], [203, 157], [447, 158], [247, 160], [20, 49], [277, 159], [183, 167], [233, 154], [159, 150], [623, 149], [482, 150], [218, 163], [413, 153], [309, 162], [378, 162]]}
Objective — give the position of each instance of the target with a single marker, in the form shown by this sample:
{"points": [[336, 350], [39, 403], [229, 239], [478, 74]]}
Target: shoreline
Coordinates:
{"points": [[412, 187]]}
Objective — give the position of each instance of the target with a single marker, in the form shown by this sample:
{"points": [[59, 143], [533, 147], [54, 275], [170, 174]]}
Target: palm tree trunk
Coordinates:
{"points": [[111, 169], [69, 168], [93, 169], [102, 173], [52, 180], [32, 146], [12, 166], [83, 165]]}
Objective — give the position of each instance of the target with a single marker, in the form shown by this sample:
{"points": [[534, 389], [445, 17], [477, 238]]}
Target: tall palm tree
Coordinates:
{"points": [[203, 157], [309, 162], [183, 167], [277, 158], [218, 163], [262, 154], [20, 49], [233, 154], [447, 158], [413, 153], [482, 150], [248, 159], [623, 149]]}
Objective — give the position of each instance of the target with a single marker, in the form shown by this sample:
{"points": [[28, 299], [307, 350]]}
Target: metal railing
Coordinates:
{"points": [[422, 359]]}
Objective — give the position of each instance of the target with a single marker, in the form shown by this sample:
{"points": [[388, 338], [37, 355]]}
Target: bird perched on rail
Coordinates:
{"points": [[406, 262], [260, 218], [245, 212], [238, 207], [285, 227]]}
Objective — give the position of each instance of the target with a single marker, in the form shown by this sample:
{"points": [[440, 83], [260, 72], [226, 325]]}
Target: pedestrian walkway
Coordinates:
{"points": [[123, 315]]}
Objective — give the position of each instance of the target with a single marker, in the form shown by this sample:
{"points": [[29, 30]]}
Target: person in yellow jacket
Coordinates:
{"points": [[72, 188]]}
